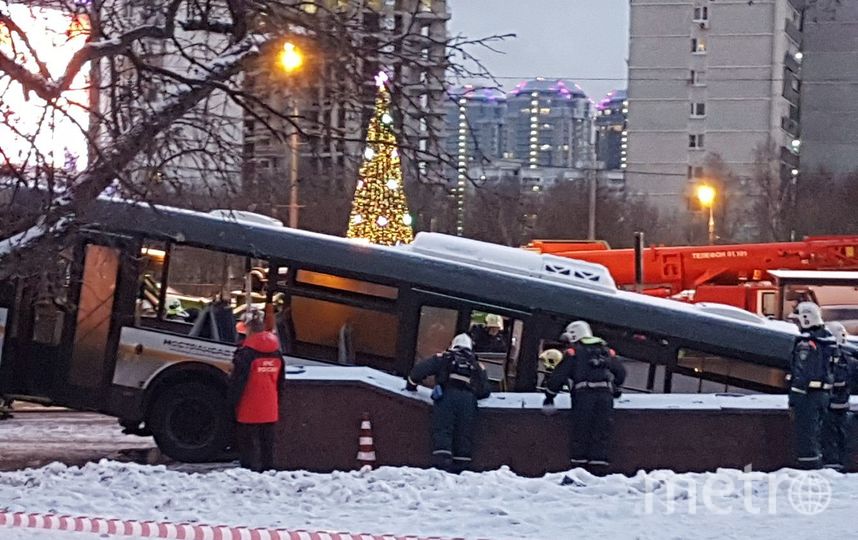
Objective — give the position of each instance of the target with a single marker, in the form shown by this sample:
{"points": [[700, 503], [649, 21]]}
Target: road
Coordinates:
{"points": [[36, 438]]}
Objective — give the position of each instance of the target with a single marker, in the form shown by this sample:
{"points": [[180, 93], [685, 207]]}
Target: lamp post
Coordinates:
{"points": [[706, 196], [291, 59]]}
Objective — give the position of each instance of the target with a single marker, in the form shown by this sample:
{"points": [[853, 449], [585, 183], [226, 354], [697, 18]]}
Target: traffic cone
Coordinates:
{"points": [[366, 448]]}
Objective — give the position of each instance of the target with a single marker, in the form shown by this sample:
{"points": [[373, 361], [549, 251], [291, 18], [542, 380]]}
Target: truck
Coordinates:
{"points": [[737, 275]]}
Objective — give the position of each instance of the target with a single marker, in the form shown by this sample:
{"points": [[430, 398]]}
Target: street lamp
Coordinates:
{"points": [[291, 59], [706, 196]]}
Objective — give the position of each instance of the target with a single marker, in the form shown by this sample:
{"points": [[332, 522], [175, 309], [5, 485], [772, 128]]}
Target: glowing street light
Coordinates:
{"points": [[706, 196], [291, 59]]}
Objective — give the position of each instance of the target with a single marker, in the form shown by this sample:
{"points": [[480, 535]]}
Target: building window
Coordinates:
{"points": [[697, 78], [701, 14], [698, 109], [695, 172], [698, 46], [695, 141]]}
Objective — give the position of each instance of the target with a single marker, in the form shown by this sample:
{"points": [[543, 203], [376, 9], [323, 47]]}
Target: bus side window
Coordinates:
{"points": [[152, 256], [51, 304], [435, 332]]}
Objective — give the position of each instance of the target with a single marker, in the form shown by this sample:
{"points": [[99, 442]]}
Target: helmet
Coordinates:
{"points": [[494, 321], [576, 331], [809, 315], [175, 309], [550, 358], [462, 341], [253, 319], [839, 332]]}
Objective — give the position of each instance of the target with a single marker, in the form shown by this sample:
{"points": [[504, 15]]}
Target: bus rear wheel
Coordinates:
{"points": [[191, 422]]}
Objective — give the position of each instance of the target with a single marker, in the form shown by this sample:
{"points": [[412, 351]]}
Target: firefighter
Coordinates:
{"points": [[835, 427], [595, 377], [255, 390], [810, 383], [460, 380], [490, 337]]}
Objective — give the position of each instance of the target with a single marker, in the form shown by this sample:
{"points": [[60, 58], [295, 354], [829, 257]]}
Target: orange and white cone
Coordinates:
{"points": [[366, 447]]}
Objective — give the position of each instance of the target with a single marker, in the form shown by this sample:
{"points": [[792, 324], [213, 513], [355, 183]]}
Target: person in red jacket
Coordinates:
{"points": [[256, 384]]}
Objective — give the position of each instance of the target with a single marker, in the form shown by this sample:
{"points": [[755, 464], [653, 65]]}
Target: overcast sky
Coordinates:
{"points": [[580, 40]]}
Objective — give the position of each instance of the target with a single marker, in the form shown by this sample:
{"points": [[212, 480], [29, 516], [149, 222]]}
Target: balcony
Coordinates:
{"points": [[791, 126], [791, 63], [789, 158], [793, 31]]}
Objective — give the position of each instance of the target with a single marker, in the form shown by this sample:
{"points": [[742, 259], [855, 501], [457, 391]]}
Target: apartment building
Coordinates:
{"points": [[710, 78]]}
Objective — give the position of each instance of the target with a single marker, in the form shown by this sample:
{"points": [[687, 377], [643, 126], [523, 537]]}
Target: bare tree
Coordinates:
{"points": [[150, 85]]}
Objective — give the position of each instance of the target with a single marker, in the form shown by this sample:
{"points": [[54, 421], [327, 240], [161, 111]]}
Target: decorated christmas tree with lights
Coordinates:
{"points": [[379, 211]]}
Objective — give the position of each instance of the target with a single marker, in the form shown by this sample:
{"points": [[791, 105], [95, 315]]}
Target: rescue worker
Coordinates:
{"points": [[595, 376], [550, 359], [810, 383], [490, 337], [255, 390], [835, 427], [460, 380]]}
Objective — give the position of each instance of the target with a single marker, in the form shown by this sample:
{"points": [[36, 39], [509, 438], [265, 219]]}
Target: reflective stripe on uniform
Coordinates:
{"points": [[442, 452], [587, 384], [814, 458], [460, 378], [797, 390], [459, 458], [839, 406], [816, 385], [839, 384]]}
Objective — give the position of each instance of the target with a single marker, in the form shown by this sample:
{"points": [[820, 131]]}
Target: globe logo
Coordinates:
{"points": [[809, 493]]}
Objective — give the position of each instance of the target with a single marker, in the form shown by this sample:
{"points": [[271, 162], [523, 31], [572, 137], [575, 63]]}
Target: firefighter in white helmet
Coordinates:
{"points": [[835, 427], [460, 380], [595, 376], [490, 337], [810, 383]]}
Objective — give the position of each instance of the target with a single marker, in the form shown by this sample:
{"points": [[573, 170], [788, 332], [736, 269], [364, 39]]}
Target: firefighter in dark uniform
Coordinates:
{"points": [[460, 381], [490, 337], [835, 450], [810, 384], [595, 377]]}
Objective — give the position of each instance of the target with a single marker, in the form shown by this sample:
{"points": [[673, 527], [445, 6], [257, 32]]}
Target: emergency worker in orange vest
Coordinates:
{"points": [[255, 388]]}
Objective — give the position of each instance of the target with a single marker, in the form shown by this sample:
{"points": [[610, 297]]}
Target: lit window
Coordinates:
{"points": [[697, 46]]}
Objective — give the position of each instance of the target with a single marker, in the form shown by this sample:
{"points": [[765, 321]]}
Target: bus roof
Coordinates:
{"points": [[714, 332]]}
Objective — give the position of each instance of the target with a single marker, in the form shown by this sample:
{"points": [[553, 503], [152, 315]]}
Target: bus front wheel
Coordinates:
{"points": [[191, 422]]}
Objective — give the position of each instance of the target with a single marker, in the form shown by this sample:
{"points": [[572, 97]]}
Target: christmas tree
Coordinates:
{"points": [[379, 211]]}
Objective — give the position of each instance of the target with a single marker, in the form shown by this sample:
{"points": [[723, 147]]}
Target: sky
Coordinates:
{"points": [[578, 40]]}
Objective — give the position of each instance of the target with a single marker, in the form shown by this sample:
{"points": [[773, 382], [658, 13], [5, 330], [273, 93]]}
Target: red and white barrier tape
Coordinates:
{"points": [[175, 531]]}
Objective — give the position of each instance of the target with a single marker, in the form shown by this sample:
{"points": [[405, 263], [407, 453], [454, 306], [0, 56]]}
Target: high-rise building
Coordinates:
{"points": [[474, 136], [611, 135], [829, 89], [404, 38], [549, 124], [710, 78]]}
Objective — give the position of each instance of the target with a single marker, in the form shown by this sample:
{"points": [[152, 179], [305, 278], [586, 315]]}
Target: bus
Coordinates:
{"points": [[136, 318]]}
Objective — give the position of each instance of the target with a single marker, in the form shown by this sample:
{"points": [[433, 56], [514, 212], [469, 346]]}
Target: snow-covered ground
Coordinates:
{"points": [[723, 505]]}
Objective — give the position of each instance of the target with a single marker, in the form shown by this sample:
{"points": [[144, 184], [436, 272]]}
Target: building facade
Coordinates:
{"points": [[829, 91], [611, 135], [548, 124], [711, 79]]}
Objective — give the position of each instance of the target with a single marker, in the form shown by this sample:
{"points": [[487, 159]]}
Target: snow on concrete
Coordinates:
{"points": [[723, 505], [532, 400]]}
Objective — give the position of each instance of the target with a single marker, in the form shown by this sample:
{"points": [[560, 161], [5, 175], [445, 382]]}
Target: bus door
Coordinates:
{"points": [[497, 332], [104, 300]]}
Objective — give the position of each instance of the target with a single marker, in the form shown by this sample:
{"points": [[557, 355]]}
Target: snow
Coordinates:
{"points": [[533, 400], [723, 505]]}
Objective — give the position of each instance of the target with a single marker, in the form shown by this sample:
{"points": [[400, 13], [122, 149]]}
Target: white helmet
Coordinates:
{"points": [[839, 332], [462, 341], [550, 358], [809, 315], [576, 331]]}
